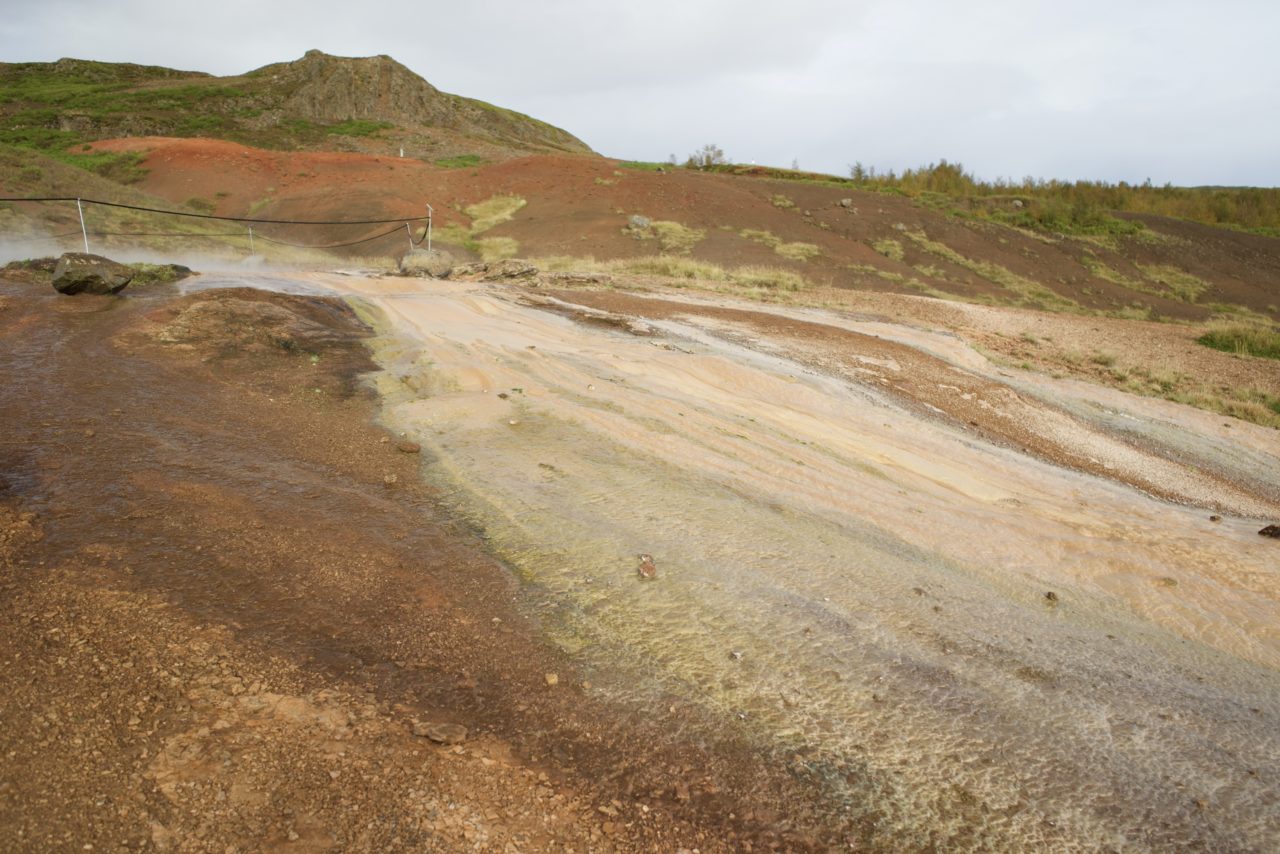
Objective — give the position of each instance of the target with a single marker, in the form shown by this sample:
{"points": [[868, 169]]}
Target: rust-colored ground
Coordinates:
{"points": [[580, 206], [231, 606]]}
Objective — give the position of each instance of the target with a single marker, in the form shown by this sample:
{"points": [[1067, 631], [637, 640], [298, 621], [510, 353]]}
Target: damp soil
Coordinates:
{"points": [[232, 606]]}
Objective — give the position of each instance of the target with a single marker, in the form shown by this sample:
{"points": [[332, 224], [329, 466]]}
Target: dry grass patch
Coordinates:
{"points": [[682, 270], [792, 251], [1181, 285], [1244, 339], [495, 211], [1030, 293], [890, 248], [497, 248], [1160, 280]]}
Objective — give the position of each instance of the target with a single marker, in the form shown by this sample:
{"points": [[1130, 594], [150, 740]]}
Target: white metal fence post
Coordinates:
{"points": [[430, 213], [83, 231]]}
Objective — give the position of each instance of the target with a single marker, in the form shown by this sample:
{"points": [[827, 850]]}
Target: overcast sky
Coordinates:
{"points": [[1179, 91]]}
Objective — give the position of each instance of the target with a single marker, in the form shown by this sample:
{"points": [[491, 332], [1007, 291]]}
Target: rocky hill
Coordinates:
{"points": [[371, 104]]}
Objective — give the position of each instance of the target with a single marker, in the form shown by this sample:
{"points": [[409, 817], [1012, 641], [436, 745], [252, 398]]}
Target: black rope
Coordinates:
{"points": [[329, 245], [214, 216], [210, 234]]}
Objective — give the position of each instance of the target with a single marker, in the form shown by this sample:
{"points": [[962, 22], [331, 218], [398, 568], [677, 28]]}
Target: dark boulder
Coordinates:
{"points": [[1271, 531], [79, 273]]}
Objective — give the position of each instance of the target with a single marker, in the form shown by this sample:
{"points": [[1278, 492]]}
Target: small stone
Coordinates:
{"points": [[1215, 518], [1271, 531], [735, 655], [441, 733], [553, 679], [407, 447], [502, 395], [1051, 597], [647, 569], [390, 479]]}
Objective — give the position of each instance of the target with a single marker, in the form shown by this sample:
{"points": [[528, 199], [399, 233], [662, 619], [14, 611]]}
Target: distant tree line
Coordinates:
{"points": [[1045, 204], [1067, 203]]}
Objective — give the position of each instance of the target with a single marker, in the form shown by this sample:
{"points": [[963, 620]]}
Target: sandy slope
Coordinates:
{"points": [[875, 551], [904, 598]]}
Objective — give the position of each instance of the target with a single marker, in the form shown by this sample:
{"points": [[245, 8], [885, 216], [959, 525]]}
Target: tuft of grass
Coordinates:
{"points": [[1161, 280], [495, 211], [780, 201], [890, 248], [157, 274], [798, 251], [770, 278], [460, 161], [681, 269], [675, 238], [357, 127], [1181, 285], [120, 166], [791, 251], [644, 166], [495, 248], [1030, 293], [1244, 339]]}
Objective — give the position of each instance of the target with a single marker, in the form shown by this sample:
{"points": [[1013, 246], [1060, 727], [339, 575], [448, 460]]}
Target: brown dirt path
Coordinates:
{"points": [[231, 604]]}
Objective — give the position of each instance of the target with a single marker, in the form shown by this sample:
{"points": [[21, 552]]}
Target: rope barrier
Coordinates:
{"points": [[397, 220], [395, 230], [240, 234], [400, 222]]}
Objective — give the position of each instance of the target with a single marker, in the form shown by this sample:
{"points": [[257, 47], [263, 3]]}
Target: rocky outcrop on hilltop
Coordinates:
{"points": [[316, 102], [324, 88]]}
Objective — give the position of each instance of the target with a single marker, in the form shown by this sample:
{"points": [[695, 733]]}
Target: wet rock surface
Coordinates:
{"points": [[435, 263], [80, 273]]}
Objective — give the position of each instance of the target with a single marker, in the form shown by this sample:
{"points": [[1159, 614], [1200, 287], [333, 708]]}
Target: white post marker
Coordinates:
{"points": [[84, 232], [251, 252], [409, 231], [430, 213]]}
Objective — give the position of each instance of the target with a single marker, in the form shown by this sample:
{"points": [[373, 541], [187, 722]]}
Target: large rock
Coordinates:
{"points": [[507, 269], [79, 273], [435, 263]]}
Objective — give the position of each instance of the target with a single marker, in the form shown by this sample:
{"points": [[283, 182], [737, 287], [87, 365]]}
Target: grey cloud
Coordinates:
{"points": [[1178, 90]]}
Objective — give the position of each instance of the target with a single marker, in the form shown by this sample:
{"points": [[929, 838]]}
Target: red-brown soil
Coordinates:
{"points": [[231, 605], [579, 206]]}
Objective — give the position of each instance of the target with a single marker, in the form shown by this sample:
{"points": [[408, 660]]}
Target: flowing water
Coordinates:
{"points": [[977, 648]]}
